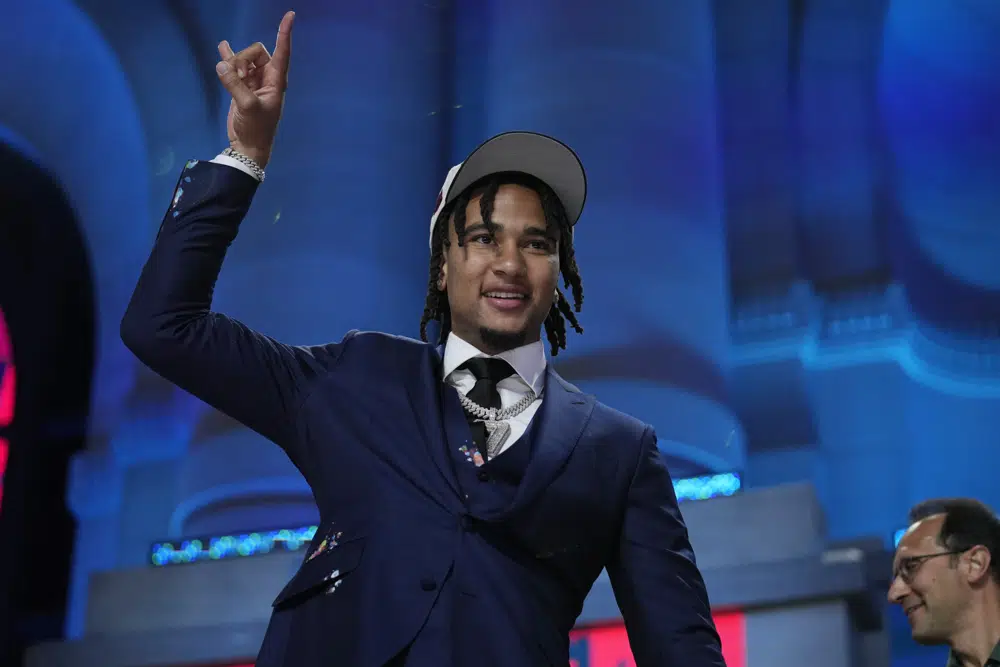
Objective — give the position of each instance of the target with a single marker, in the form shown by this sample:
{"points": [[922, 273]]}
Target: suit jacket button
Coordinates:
{"points": [[428, 584], [467, 523], [483, 476]]}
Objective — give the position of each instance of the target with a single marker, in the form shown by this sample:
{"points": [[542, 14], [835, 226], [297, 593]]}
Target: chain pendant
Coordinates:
{"points": [[497, 428], [498, 434]]}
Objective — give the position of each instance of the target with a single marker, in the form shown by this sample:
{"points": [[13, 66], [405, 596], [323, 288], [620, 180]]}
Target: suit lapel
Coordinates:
{"points": [[433, 409], [564, 414]]}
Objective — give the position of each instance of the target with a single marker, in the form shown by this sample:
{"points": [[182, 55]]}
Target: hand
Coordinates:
{"points": [[257, 82]]}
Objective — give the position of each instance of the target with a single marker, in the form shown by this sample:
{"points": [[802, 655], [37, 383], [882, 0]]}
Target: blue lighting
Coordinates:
{"points": [[710, 486], [293, 539], [897, 536], [230, 546]]}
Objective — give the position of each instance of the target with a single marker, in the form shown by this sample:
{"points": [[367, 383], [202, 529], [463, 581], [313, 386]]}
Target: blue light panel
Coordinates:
{"points": [[292, 539], [230, 546], [710, 486]]}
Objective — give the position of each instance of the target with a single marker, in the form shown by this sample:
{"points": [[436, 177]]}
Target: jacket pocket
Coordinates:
{"points": [[322, 570]]}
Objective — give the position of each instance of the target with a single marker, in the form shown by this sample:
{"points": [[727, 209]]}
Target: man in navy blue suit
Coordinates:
{"points": [[469, 497]]}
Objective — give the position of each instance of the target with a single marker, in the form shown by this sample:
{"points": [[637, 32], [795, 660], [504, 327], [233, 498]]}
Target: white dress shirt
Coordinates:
{"points": [[528, 362], [232, 162]]}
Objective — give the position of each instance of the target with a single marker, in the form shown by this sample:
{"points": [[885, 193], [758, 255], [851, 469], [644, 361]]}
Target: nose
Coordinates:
{"points": [[509, 259], [897, 590]]}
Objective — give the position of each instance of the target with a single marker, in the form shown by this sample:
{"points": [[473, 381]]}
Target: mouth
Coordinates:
{"points": [[909, 611], [506, 300]]}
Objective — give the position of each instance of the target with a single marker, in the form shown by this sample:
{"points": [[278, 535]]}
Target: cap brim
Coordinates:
{"points": [[547, 159]]}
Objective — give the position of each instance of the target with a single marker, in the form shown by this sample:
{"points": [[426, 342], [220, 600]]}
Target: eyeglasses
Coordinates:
{"points": [[909, 566]]}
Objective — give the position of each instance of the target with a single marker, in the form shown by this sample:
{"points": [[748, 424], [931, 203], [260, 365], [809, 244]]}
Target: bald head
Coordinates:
{"points": [[924, 532]]}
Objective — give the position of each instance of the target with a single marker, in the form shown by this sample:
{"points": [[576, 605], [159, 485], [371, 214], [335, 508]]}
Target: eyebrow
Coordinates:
{"points": [[528, 231]]}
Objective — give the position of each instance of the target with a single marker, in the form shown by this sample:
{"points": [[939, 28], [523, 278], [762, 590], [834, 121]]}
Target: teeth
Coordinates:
{"points": [[504, 295]]}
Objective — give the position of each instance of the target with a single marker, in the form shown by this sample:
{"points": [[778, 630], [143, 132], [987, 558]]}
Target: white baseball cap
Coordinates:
{"points": [[547, 159]]}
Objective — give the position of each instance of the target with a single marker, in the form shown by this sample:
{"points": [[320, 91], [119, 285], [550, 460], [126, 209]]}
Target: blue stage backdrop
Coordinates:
{"points": [[788, 250], [633, 92]]}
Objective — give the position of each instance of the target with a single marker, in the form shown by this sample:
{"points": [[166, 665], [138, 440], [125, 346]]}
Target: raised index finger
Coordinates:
{"points": [[283, 47]]}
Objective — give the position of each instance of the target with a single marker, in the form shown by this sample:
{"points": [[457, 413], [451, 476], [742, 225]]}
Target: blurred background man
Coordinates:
{"points": [[946, 578]]}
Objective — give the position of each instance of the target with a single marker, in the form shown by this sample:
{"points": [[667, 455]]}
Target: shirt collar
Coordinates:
{"points": [[528, 361]]}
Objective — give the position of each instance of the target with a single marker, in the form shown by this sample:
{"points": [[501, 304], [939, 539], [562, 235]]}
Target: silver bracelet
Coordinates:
{"points": [[254, 167]]}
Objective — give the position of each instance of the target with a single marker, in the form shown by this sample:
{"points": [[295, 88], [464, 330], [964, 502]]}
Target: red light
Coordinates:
{"points": [[4, 448], [607, 645], [6, 349], [6, 375], [6, 393], [732, 627]]}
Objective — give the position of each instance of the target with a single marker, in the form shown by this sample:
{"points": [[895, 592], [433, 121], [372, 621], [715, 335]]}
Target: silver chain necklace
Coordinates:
{"points": [[495, 420]]}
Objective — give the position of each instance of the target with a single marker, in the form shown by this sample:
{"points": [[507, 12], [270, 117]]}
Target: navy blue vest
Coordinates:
{"points": [[487, 486]]}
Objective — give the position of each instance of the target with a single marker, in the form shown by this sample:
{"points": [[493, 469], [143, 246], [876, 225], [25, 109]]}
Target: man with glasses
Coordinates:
{"points": [[947, 581]]}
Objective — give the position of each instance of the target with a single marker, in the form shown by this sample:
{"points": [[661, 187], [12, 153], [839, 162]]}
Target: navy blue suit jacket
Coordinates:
{"points": [[364, 420]]}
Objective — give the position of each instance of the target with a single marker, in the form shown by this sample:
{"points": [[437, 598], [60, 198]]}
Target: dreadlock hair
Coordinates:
{"points": [[436, 306]]}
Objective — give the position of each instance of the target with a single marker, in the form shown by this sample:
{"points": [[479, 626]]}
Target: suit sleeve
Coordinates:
{"points": [[655, 578], [169, 326]]}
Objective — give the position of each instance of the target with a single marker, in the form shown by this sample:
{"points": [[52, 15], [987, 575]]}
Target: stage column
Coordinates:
{"points": [[632, 89]]}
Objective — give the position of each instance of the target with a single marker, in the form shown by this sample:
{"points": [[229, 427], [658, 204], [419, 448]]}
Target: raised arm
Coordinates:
{"points": [[656, 582], [169, 325]]}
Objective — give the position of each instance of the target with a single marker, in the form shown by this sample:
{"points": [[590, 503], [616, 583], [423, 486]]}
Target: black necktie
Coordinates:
{"points": [[488, 372]]}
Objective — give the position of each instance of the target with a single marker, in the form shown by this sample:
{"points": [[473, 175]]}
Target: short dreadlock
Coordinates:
{"points": [[436, 307]]}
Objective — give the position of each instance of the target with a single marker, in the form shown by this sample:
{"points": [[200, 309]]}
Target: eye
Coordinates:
{"points": [[540, 244], [481, 239]]}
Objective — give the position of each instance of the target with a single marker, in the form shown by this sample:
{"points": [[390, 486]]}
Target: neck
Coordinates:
{"points": [[974, 645], [493, 342]]}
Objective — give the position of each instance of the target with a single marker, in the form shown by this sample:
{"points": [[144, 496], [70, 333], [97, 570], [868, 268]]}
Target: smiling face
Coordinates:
{"points": [[933, 587], [500, 287]]}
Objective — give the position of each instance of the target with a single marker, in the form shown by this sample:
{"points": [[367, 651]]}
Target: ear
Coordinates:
{"points": [[979, 560]]}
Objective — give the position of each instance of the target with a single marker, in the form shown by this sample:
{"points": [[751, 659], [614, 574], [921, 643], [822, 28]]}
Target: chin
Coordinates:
{"points": [[502, 326], [500, 338], [507, 326], [925, 638]]}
